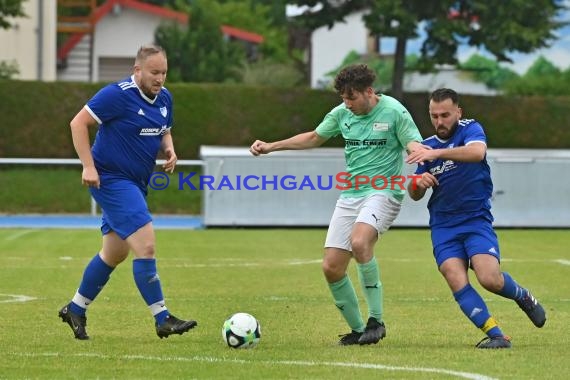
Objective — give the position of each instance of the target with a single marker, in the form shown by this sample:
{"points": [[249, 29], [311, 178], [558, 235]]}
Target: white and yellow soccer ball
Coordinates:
{"points": [[241, 330]]}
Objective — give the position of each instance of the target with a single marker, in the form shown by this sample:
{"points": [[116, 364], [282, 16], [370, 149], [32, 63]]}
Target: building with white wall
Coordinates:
{"points": [[31, 43], [330, 46]]}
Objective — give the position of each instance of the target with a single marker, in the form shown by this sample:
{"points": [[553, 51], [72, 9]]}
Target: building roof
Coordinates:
{"points": [[241, 34], [165, 13]]}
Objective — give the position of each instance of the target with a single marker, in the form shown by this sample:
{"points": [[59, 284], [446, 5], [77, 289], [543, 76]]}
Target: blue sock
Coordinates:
{"points": [[95, 276], [511, 289], [148, 283], [476, 310]]}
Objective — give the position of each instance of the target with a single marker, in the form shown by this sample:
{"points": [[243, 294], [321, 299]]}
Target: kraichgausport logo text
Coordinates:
{"points": [[253, 182]]}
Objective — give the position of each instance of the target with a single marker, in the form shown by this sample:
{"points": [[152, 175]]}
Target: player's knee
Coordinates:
{"points": [[332, 272], [114, 257], [361, 249], [490, 281], [146, 250]]}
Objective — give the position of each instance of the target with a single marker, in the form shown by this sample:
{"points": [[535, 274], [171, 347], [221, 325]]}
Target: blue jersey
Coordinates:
{"points": [[131, 126], [465, 188]]}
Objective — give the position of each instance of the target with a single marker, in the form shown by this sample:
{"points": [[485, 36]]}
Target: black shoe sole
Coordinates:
{"points": [[166, 334], [375, 341]]}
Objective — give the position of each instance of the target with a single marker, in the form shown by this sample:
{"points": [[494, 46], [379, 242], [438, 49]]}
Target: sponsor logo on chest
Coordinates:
{"points": [[153, 131]]}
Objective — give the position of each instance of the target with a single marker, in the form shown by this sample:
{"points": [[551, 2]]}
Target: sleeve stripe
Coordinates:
{"points": [[93, 114]]}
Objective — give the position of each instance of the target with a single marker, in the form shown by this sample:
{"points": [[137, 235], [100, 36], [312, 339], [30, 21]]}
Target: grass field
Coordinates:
{"points": [[276, 276]]}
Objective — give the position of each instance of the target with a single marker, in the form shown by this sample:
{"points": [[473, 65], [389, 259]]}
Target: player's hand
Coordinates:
{"points": [[428, 180], [259, 147], [90, 177], [419, 156], [171, 160]]}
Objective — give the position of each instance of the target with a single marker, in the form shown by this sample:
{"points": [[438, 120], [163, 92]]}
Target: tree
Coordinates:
{"points": [[8, 69], [497, 26], [543, 79], [488, 71], [199, 53], [267, 63], [10, 8], [256, 17], [541, 68]]}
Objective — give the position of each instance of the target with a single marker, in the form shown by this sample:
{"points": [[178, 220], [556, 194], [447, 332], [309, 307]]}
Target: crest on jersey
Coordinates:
{"points": [[163, 111], [380, 127]]}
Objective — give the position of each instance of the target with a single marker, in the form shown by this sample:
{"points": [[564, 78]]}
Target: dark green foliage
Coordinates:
{"points": [[329, 12], [8, 69], [488, 71], [9, 9], [541, 68], [36, 116], [509, 121], [233, 115], [547, 85], [39, 114], [199, 52], [543, 78]]}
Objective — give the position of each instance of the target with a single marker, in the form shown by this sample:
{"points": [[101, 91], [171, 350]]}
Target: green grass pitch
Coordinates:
{"points": [[275, 275]]}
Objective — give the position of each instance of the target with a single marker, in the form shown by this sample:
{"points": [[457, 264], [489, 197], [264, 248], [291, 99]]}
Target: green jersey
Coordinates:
{"points": [[374, 146]]}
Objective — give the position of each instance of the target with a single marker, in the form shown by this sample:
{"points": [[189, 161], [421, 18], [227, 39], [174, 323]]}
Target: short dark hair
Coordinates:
{"points": [[146, 51], [357, 77], [442, 94]]}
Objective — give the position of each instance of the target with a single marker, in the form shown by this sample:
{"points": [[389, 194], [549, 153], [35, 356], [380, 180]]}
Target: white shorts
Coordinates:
{"points": [[377, 210]]}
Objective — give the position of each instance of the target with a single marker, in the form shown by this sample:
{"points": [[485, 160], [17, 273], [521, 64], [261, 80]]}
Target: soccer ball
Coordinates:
{"points": [[241, 330]]}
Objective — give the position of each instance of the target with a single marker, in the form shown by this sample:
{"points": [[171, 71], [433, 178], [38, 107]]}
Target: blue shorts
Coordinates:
{"points": [[473, 237], [124, 207]]}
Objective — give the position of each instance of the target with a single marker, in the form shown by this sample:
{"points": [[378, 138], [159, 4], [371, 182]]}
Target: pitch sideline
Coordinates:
{"points": [[464, 375]]}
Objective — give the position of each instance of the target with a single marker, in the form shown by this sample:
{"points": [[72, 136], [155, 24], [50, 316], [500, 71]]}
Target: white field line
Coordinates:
{"points": [[563, 262], [300, 363], [18, 235], [15, 298]]}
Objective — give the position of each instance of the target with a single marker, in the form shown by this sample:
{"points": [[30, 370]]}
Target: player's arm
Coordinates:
{"points": [[415, 146], [473, 152], [80, 136], [418, 186], [167, 147], [301, 141]]}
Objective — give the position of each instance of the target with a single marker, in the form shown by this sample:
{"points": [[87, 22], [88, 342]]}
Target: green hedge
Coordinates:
{"points": [[35, 116], [509, 122]]}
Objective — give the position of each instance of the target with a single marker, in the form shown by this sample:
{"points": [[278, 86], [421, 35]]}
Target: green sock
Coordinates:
{"points": [[345, 300], [369, 275]]}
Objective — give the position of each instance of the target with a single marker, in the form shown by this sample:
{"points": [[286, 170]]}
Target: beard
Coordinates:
{"points": [[445, 133]]}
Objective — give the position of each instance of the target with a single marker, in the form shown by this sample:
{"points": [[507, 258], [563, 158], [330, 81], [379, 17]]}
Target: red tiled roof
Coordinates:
{"points": [[181, 17], [241, 34]]}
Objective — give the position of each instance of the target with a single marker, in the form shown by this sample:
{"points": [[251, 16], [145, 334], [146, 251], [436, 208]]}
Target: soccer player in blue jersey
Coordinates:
{"points": [[377, 129], [134, 118], [456, 170]]}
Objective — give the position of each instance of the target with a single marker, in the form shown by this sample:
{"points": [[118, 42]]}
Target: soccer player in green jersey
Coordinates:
{"points": [[377, 129]]}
